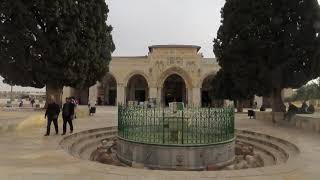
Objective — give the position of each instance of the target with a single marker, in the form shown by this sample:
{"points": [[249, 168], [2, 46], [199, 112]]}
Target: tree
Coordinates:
{"points": [[54, 43], [225, 89], [266, 46], [307, 92]]}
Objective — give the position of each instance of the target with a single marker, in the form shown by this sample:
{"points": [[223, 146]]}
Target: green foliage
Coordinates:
{"points": [[263, 45], [307, 92], [56, 42]]}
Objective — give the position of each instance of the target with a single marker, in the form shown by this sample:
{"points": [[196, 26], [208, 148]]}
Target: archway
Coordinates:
{"points": [[107, 94], [137, 89], [110, 90], [174, 90], [207, 99]]}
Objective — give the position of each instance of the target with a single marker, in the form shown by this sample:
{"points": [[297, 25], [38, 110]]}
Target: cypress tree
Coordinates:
{"points": [[266, 46], [54, 43]]}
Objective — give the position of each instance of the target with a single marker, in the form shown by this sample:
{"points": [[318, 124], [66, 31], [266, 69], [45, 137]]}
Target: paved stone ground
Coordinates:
{"points": [[26, 154]]}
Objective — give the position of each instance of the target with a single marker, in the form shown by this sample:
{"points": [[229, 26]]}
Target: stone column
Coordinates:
{"points": [[153, 92], [196, 96], [190, 96], [120, 94], [159, 96]]}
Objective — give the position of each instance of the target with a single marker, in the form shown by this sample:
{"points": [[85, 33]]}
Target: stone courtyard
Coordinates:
{"points": [[26, 154]]}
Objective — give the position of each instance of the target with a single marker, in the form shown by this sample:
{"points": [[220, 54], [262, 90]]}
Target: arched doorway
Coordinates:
{"points": [[174, 90], [207, 99], [108, 91], [137, 89]]}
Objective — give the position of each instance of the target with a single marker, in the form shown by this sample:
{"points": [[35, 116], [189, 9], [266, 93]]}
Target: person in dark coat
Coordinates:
{"points": [[292, 111], [67, 115], [52, 113]]}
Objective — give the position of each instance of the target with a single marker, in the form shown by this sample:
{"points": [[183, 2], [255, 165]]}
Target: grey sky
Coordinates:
{"points": [[140, 23]]}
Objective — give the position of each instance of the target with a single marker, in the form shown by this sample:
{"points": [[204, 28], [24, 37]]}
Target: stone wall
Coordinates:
{"points": [[175, 157]]}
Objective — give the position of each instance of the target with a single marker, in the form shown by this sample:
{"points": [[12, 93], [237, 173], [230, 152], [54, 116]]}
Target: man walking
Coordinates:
{"points": [[67, 115], [52, 113]]}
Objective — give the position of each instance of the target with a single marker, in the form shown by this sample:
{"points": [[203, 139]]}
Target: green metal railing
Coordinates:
{"points": [[189, 126]]}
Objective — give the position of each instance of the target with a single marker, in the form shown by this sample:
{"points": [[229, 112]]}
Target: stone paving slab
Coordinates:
{"points": [[26, 154]]}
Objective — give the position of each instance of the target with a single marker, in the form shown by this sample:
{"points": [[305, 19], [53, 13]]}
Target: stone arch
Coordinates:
{"points": [[174, 90], [107, 90], [137, 88], [204, 77], [133, 73], [175, 70], [207, 99], [113, 75], [184, 76]]}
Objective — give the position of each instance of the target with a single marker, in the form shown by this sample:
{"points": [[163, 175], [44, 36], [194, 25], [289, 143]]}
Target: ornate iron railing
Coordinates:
{"points": [[190, 126]]}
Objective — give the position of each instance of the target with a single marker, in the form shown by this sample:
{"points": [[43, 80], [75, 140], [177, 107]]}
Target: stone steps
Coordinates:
{"points": [[68, 140], [274, 150], [82, 144], [288, 148], [268, 159], [78, 149], [85, 151], [277, 156]]}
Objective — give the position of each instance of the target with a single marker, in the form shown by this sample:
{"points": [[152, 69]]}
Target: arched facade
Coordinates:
{"points": [[175, 71], [174, 90], [137, 89], [107, 91], [207, 96], [206, 91], [150, 77]]}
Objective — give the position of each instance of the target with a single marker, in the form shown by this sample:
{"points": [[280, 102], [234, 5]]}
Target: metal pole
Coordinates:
{"points": [[182, 127], [163, 125]]}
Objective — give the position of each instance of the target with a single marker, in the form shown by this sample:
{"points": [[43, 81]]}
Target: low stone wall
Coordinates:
{"points": [[175, 157], [263, 116], [310, 122]]}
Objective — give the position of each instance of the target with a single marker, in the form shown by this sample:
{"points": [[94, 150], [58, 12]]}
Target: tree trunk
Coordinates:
{"points": [[278, 107], [240, 106], [55, 93], [277, 101]]}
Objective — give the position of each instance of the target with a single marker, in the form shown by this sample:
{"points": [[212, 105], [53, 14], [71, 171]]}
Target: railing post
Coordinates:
{"points": [[208, 127], [163, 126], [119, 120], [182, 137]]}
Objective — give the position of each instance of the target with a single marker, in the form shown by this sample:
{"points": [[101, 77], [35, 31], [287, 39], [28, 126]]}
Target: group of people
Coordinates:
{"points": [[68, 114], [304, 109]]}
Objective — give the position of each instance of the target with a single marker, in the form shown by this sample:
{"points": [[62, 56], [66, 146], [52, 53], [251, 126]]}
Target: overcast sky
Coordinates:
{"points": [[140, 23]]}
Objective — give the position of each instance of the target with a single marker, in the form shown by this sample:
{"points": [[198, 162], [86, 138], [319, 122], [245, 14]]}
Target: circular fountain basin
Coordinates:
{"points": [[95, 144], [177, 157]]}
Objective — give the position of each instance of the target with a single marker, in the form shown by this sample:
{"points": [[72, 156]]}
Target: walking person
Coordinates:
{"points": [[52, 113], [75, 104], [67, 115], [92, 108], [32, 101]]}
